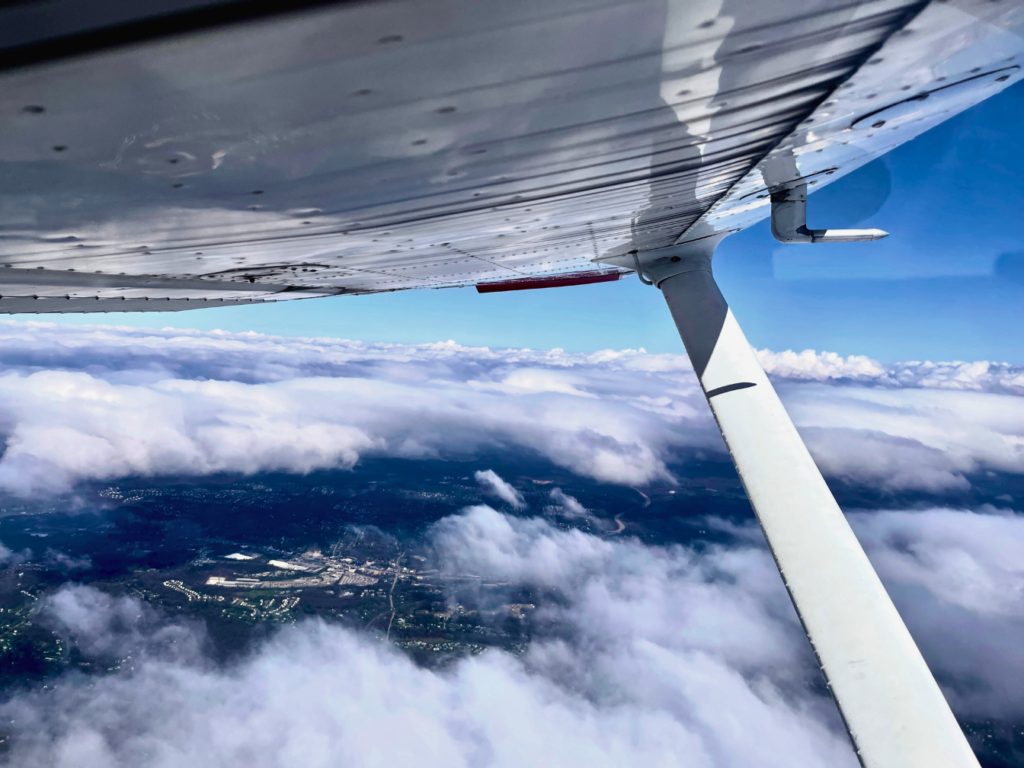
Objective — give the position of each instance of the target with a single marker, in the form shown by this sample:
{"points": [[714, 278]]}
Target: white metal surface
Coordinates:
{"points": [[893, 708], [425, 143], [947, 58]]}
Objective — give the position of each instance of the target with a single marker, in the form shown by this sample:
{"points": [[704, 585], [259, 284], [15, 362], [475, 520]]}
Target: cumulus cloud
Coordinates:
{"points": [[66, 563], [663, 658], [958, 580], [119, 629], [492, 484], [919, 439], [10, 557], [977, 376], [97, 403], [567, 506], [657, 655]]}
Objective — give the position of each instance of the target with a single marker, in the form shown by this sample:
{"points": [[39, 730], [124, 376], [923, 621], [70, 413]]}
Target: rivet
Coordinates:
{"points": [[363, 92], [59, 148], [257, 192], [34, 109], [445, 110], [390, 39], [419, 142], [177, 186]]}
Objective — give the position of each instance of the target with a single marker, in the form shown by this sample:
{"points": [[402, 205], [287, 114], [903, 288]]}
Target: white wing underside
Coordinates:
{"points": [[385, 146]]}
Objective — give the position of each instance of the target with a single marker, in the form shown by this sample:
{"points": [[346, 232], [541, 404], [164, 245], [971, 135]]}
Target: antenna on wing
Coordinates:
{"points": [[789, 221]]}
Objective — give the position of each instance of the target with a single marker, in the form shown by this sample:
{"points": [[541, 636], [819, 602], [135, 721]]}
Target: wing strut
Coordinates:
{"points": [[893, 708]]}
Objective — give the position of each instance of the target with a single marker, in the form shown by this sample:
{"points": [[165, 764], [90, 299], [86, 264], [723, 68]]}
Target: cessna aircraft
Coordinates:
{"points": [[179, 154]]}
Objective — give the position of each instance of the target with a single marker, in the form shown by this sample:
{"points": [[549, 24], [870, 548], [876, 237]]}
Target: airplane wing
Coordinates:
{"points": [[191, 153], [210, 154]]}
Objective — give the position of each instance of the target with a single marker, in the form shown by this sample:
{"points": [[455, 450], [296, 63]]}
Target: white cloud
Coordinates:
{"points": [[97, 403], [898, 439], [10, 557], [978, 376], [958, 580], [820, 366], [968, 560], [113, 629], [657, 655], [491, 484], [667, 658], [567, 506]]}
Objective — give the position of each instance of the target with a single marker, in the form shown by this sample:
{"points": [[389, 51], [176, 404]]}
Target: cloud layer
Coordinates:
{"points": [[958, 579], [663, 658], [97, 403], [658, 656]]}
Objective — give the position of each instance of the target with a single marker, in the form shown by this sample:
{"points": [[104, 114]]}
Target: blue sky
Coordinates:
{"points": [[948, 284]]}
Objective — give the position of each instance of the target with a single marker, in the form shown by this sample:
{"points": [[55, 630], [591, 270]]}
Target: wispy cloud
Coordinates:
{"points": [[491, 484], [566, 505]]}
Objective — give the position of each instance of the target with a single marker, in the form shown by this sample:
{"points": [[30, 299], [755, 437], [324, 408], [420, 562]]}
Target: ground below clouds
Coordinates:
{"points": [[658, 655]]}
